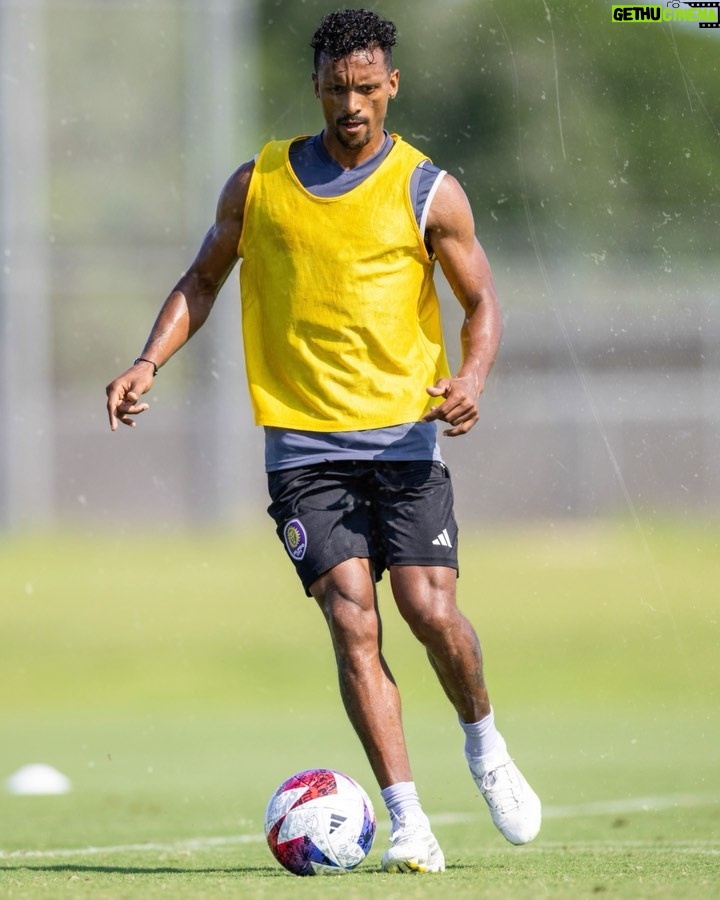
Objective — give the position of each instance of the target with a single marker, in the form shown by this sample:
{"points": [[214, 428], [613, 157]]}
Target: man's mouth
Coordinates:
{"points": [[351, 124]]}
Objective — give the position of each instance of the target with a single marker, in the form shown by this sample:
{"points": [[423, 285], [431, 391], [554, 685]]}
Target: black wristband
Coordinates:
{"points": [[149, 361]]}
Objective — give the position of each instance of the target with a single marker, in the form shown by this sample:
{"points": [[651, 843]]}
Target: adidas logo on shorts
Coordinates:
{"points": [[443, 539]]}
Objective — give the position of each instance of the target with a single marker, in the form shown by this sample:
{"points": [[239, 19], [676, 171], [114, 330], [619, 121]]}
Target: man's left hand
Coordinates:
{"points": [[459, 408]]}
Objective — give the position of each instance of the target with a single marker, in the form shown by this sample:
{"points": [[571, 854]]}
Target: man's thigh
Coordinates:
{"points": [[415, 512], [323, 516]]}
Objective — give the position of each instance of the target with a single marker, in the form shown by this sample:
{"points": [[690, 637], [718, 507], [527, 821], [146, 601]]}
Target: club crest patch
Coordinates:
{"points": [[295, 539]]}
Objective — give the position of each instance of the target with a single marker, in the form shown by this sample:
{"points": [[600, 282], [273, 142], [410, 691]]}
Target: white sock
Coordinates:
{"points": [[403, 804], [482, 738]]}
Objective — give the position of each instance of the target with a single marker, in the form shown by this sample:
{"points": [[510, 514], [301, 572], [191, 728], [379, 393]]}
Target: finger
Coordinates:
{"points": [[440, 389], [133, 410], [461, 428], [112, 405], [453, 410], [456, 407], [126, 418], [124, 413], [437, 412]]}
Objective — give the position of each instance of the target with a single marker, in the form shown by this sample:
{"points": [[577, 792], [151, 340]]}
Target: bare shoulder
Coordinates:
{"points": [[231, 205], [450, 212]]}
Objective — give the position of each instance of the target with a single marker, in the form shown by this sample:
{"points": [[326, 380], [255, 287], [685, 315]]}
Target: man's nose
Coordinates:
{"points": [[352, 102]]}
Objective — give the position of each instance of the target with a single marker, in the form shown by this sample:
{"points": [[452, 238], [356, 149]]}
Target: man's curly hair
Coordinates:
{"points": [[351, 30]]}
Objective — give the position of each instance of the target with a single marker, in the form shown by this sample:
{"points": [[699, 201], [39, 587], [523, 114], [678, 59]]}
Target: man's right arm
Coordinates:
{"points": [[189, 303]]}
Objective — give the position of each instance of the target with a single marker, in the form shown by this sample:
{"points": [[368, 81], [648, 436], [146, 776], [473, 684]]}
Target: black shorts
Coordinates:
{"points": [[394, 513]]}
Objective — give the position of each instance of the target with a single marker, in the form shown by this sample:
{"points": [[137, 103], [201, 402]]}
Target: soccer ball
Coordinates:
{"points": [[319, 822]]}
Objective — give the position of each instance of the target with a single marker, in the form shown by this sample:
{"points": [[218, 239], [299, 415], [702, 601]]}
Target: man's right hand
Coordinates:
{"points": [[124, 392]]}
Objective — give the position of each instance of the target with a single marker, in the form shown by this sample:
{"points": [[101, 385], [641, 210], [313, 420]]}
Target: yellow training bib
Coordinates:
{"points": [[341, 320]]}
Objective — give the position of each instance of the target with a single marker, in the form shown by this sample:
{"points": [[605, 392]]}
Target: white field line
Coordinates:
{"points": [[631, 804], [602, 807], [184, 846], [609, 807]]}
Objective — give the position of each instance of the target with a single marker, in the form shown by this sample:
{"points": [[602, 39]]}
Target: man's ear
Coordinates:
{"points": [[394, 83]]}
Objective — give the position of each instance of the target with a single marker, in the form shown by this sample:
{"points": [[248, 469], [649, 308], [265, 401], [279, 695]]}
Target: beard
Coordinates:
{"points": [[353, 141]]}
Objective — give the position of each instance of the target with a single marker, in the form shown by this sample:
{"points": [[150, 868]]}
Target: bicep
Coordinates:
{"points": [[452, 235], [218, 251]]}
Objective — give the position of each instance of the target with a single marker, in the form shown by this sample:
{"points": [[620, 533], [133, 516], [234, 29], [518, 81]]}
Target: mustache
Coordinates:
{"points": [[351, 120]]}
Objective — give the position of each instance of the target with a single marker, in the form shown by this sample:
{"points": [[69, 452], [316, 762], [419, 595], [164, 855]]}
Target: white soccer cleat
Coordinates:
{"points": [[414, 849], [514, 806]]}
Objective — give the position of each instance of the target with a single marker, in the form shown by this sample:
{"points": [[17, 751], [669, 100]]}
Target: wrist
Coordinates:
{"points": [[142, 359]]}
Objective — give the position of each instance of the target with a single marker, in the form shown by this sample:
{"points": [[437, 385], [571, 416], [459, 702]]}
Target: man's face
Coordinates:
{"points": [[354, 92]]}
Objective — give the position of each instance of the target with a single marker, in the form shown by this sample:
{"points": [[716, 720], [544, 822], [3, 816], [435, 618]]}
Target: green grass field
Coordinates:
{"points": [[177, 679]]}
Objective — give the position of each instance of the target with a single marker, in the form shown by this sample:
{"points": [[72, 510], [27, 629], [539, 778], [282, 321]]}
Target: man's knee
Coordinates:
{"points": [[425, 597], [346, 596], [432, 619]]}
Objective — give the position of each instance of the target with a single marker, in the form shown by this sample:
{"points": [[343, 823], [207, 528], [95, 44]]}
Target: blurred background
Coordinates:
{"points": [[589, 151]]}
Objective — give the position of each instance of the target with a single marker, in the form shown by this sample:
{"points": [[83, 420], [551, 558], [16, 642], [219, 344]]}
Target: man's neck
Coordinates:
{"points": [[350, 158]]}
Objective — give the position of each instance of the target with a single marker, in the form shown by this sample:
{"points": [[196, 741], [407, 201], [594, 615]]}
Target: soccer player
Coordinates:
{"points": [[338, 234]]}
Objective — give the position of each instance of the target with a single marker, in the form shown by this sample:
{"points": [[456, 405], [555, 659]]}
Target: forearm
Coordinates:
{"points": [[181, 315], [480, 339]]}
